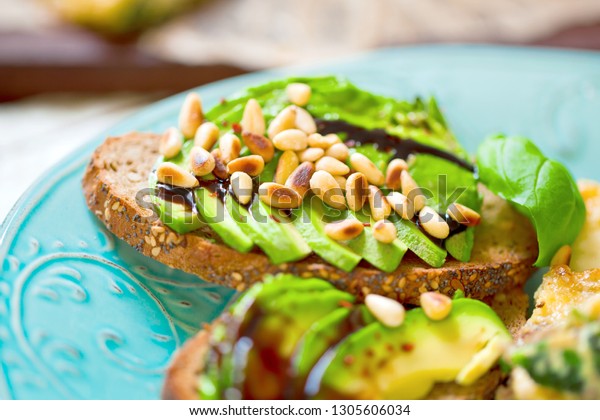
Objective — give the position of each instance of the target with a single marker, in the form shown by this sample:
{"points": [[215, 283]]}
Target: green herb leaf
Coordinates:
{"points": [[540, 188]]}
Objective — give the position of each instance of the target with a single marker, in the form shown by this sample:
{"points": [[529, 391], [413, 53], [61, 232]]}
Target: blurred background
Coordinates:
{"points": [[71, 68]]}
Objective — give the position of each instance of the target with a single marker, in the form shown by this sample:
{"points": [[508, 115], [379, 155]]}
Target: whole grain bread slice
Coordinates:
{"points": [[182, 377], [117, 175]]}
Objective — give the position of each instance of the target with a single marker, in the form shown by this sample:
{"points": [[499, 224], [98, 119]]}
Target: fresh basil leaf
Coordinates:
{"points": [[540, 188]]}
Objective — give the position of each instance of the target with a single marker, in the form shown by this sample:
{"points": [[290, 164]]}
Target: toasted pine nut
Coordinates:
{"points": [[279, 196], [562, 256], [288, 162], [435, 305], [230, 146], [357, 191], [332, 165], [253, 165], [201, 161], [412, 191], [259, 145], [285, 120], [170, 143], [172, 174], [324, 142], [433, 223], [206, 135], [253, 120], [339, 151], [401, 205], [305, 121], [384, 231], [387, 311], [344, 230], [324, 185], [220, 170], [190, 116], [392, 175], [341, 181], [292, 139], [361, 163], [241, 183], [299, 180], [298, 93], [380, 208], [312, 154], [463, 214]]}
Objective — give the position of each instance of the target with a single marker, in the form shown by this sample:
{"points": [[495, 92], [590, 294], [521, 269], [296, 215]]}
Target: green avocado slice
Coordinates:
{"points": [[214, 213], [419, 243], [260, 357], [404, 362], [308, 219], [386, 257]]}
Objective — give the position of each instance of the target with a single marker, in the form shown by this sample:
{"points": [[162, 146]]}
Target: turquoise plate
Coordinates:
{"points": [[82, 315]]}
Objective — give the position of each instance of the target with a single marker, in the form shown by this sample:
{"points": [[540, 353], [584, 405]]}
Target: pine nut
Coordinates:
{"points": [[253, 165], [338, 151], [435, 305], [324, 142], [259, 145], [384, 231], [433, 223], [169, 173], [357, 190], [392, 175], [299, 180], [241, 183], [206, 135], [201, 161], [325, 187], [401, 205], [312, 154], [305, 121], [279, 196], [412, 191], [344, 230], [361, 163], [562, 256], [387, 311], [332, 165], [190, 116], [292, 139], [230, 146], [380, 208], [463, 214], [170, 143], [253, 120], [288, 162], [285, 120], [341, 181], [298, 93], [220, 170]]}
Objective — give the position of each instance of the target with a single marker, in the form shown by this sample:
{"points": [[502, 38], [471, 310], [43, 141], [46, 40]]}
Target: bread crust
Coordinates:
{"points": [[503, 255]]}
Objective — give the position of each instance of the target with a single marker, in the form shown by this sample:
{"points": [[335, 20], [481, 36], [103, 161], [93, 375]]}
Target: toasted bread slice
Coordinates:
{"points": [[182, 376], [505, 245]]}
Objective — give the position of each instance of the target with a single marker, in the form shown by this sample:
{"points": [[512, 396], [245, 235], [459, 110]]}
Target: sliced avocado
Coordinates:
{"points": [[309, 220], [404, 362], [286, 242], [460, 244], [214, 213], [419, 243], [261, 354], [386, 257]]}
